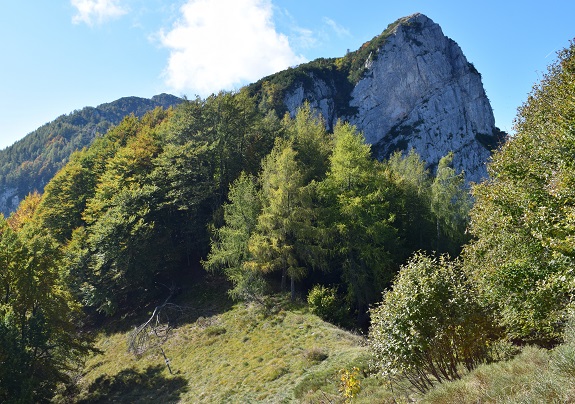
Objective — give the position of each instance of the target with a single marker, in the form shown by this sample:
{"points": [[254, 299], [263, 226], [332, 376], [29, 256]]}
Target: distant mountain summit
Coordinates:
{"points": [[410, 87], [31, 162]]}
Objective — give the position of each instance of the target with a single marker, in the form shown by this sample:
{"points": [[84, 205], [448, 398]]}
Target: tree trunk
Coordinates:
{"points": [[284, 275]]}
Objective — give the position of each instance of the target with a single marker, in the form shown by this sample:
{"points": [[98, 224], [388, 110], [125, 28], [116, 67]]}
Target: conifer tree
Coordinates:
{"points": [[229, 246], [358, 218], [450, 204], [278, 243]]}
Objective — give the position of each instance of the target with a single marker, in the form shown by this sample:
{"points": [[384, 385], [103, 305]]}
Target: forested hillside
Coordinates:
{"points": [[31, 162], [223, 184], [444, 108], [296, 222]]}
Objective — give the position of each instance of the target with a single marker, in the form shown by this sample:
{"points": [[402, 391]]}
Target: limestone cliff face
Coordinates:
{"points": [[417, 91]]}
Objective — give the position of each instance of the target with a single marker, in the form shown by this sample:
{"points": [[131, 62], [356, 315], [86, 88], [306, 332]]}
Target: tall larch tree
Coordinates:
{"points": [[278, 243], [358, 218]]}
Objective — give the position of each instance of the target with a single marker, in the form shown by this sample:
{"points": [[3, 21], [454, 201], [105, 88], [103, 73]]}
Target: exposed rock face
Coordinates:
{"points": [[9, 200], [320, 96], [417, 91]]}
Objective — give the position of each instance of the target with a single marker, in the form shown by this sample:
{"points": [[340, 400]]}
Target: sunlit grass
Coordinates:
{"points": [[282, 353], [534, 376], [244, 354]]}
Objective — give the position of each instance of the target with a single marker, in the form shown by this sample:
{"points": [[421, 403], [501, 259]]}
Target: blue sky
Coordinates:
{"points": [[62, 55]]}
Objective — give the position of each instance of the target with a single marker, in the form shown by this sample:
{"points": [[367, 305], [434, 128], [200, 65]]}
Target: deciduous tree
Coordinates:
{"points": [[430, 324], [523, 222]]}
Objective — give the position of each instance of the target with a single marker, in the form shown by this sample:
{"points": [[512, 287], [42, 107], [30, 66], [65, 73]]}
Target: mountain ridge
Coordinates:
{"points": [[410, 87], [28, 164]]}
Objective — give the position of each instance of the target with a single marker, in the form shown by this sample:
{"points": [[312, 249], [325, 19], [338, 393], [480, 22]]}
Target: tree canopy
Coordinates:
{"points": [[523, 221], [219, 182]]}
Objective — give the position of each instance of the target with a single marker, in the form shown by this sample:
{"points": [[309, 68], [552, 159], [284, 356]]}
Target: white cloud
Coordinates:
{"points": [[96, 11], [338, 29], [303, 37], [222, 44]]}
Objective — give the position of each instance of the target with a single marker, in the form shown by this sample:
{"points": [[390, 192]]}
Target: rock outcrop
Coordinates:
{"points": [[416, 90]]}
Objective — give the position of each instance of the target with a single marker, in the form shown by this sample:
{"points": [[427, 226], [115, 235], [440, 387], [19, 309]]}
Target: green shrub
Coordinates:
{"points": [[430, 325], [315, 355], [324, 303]]}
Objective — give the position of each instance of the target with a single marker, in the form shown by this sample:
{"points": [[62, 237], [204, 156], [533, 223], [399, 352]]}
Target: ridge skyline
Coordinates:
{"points": [[505, 43]]}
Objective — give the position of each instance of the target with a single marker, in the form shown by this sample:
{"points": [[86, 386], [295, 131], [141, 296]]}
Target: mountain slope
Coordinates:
{"points": [[410, 87], [30, 163]]}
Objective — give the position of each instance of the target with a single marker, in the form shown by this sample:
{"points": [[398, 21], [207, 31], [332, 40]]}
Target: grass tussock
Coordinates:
{"points": [[534, 376]]}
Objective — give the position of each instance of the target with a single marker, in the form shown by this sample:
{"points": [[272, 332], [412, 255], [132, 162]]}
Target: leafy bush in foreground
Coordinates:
{"points": [[430, 324]]}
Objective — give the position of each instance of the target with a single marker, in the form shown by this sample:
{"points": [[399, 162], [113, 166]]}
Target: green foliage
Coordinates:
{"points": [[432, 210], [450, 204], [325, 303], [430, 324], [271, 90], [325, 203], [413, 204], [38, 340], [357, 219], [310, 141], [66, 195], [271, 230], [134, 208], [31, 162], [351, 165], [523, 221], [104, 271], [229, 247], [279, 242]]}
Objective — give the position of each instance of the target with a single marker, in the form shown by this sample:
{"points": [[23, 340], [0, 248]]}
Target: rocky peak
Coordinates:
{"points": [[414, 89]]}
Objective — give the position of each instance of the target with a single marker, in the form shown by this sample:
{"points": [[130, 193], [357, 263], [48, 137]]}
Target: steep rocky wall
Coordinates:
{"points": [[417, 91], [9, 200]]}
